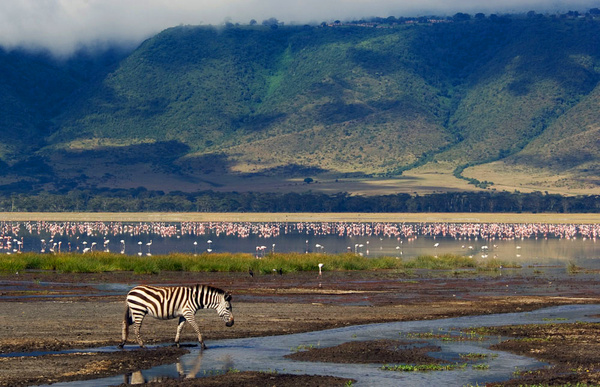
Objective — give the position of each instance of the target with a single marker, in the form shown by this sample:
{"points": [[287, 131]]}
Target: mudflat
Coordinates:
{"points": [[51, 311]]}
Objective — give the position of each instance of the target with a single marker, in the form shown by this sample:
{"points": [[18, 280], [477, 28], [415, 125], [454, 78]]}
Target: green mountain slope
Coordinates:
{"points": [[194, 107], [573, 141], [35, 88], [547, 69], [217, 90]]}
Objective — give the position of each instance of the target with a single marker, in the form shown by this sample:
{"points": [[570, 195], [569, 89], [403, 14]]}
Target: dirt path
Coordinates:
{"points": [[51, 311]]}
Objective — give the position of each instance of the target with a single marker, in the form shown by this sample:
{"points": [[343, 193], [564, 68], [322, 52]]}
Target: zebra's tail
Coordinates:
{"points": [[127, 321]]}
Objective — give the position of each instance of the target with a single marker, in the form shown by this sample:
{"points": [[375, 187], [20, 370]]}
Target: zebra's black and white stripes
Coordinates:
{"points": [[171, 302]]}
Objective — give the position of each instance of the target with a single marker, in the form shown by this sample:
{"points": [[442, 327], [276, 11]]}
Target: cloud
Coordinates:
{"points": [[63, 26]]}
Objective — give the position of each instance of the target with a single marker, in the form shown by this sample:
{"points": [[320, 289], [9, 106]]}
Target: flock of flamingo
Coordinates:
{"points": [[55, 237]]}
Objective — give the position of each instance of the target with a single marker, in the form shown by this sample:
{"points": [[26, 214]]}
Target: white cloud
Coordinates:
{"points": [[64, 25]]}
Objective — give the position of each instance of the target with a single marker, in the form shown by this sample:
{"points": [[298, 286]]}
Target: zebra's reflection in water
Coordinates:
{"points": [[188, 369]]}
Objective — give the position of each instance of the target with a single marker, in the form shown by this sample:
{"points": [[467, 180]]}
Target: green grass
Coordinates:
{"points": [[287, 263], [445, 262]]}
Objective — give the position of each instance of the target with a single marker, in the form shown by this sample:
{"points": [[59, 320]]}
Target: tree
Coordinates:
{"points": [[308, 180], [270, 22], [461, 17]]}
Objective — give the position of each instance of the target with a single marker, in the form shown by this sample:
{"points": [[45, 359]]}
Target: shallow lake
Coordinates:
{"points": [[529, 244]]}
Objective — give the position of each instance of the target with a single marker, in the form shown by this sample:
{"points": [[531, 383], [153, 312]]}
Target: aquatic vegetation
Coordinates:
{"points": [[303, 347], [423, 367], [477, 356], [460, 336], [572, 268]]}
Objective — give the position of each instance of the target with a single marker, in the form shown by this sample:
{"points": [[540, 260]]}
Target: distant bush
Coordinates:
{"points": [[142, 200]]}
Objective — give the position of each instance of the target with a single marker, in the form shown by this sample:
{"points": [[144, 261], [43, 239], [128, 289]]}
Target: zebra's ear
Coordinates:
{"points": [[227, 296]]}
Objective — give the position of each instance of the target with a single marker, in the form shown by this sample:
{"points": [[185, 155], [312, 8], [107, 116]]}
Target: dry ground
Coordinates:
{"points": [[51, 311]]}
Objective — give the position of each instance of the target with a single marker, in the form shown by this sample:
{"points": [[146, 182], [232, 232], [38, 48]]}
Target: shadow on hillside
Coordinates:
{"points": [[289, 171], [559, 163], [159, 153]]}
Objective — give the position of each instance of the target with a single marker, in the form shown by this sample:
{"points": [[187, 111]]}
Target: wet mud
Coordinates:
{"points": [[252, 378], [573, 349], [43, 312], [366, 352]]}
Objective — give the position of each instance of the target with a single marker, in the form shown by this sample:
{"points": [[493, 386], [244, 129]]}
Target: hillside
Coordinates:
{"points": [[360, 109]]}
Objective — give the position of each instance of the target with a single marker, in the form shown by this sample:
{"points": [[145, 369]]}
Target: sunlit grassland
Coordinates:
{"points": [[525, 178], [224, 262], [470, 217]]}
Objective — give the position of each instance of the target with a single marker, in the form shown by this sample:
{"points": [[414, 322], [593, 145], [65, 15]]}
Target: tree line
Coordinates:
{"points": [[143, 200]]}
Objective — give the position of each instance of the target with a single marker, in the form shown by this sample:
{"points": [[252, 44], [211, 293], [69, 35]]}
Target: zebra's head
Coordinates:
{"points": [[225, 310]]}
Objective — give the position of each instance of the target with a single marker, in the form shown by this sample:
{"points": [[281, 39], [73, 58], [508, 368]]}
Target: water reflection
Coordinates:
{"points": [[541, 244], [188, 367]]}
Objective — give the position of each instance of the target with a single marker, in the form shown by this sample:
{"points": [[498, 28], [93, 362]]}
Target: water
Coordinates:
{"points": [[266, 353], [530, 244]]}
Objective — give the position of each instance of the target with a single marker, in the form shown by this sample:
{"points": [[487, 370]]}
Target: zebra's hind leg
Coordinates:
{"points": [[192, 322], [138, 336], [137, 325], [127, 321], [124, 333], [179, 329]]}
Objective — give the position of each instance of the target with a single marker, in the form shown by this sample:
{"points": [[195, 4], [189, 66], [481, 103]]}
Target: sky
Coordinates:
{"points": [[63, 26]]}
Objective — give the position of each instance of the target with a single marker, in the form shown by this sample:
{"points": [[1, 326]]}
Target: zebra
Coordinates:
{"points": [[170, 302]]}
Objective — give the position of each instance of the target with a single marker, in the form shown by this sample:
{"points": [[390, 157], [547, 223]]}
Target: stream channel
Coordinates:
{"points": [[267, 353]]}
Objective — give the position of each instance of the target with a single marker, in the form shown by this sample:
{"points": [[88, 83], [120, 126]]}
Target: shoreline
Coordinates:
{"points": [[553, 218]]}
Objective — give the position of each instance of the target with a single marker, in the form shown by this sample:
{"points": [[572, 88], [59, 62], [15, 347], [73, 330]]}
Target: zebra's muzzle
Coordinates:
{"points": [[229, 323]]}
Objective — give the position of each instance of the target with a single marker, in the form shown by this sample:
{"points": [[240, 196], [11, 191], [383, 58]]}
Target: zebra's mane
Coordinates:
{"points": [[212, 288], [196, 287]]}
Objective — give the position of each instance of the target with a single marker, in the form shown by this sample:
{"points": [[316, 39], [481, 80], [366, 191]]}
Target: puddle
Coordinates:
{"points": [[267, 353]]}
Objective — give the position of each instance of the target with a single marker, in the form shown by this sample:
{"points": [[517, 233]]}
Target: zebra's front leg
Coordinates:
{"points": [[192, 322], [179, 329]]}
